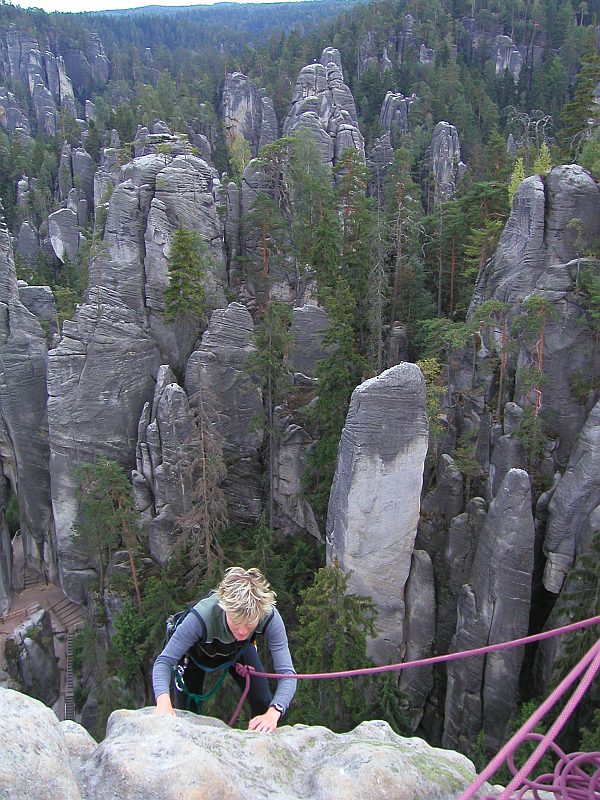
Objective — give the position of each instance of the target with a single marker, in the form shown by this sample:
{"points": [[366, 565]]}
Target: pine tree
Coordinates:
{"points": [[580, 116], [106, 515], [516, 179], [543, 163], [333, 632], [189, 261]]}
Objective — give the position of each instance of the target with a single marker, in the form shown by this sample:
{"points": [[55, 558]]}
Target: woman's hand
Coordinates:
{"points": [[163, 705], [266, 722]]}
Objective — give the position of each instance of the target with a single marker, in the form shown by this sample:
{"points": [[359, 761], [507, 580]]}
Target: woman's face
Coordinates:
{"points": [[241, 630]]}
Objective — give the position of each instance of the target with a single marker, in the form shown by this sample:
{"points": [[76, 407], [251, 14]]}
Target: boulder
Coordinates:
{"points": [[374, 503], [196, 758], [35, 756], [220, 366], [394, 114], [492, 607], [28, 246]]}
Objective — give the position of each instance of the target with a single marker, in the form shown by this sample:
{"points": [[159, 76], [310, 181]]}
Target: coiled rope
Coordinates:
{"points": [[569, 781]]}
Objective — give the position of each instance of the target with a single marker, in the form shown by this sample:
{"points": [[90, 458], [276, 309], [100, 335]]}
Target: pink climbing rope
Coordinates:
{"points": [[569, 780], [590, 663]]}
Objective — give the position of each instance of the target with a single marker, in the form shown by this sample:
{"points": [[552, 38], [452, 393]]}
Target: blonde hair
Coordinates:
{"points": [[245, 594]]}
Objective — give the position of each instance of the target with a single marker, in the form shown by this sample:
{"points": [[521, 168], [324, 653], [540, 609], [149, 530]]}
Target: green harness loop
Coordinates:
{"points": [[192, 697]]}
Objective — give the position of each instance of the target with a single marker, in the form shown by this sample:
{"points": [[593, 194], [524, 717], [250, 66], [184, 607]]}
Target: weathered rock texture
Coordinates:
{"points": [[445, 166], [573, 509], [24, 453], [374, 504], [220, 367], [507, 56], [324, 105], [492, 607], [39, 300], [163, 478], [31, 659], [247, 112], [394, 116], [99, 377], [198, 758]]}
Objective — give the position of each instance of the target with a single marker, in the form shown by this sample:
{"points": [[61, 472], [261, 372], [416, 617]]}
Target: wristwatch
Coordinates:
{"points": [[278, 707]]}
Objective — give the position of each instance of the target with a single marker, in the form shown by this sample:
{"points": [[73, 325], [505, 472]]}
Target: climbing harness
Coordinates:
{"points": [[569, 781]]}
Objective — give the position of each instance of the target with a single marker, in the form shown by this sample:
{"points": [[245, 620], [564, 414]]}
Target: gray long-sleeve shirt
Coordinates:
{"points": [[191, 631]]}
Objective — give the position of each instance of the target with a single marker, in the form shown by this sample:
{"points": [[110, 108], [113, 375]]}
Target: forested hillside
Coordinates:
{"points": [[313, 288]]}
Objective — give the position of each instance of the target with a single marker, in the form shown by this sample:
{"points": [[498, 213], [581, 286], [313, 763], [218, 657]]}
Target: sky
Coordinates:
{"points": [[101, 5]]}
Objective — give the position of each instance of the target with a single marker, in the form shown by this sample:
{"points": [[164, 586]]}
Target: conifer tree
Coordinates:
{"points": [[189, 261], [543, 163], [332, 636], [517, 177], [106, 515]]}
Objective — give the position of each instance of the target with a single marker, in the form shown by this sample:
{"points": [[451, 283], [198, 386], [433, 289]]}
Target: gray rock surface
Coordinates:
{"points": [[39, 300], [142, 757], [220, 365], [309, 324], [419, 634], [24, 452], [99, 378], [573, 505], [162, 479], [12, 115], [507, 454], [324, 105], [507, 56], [290, 463], [374, 503], [444, 160], [247, 112], [379, 161], [492, 607], [31, 658], [394, 116], [28, 246], [63, 227], [35, 757]]}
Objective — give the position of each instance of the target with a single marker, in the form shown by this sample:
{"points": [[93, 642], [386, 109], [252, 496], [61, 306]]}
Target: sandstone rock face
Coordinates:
{"points": [[538, 235], [12, 115], [324, 105], [24, 450], [142, 757], [162, 479], [247, 113], [419, 634], [290, 463], [492, 607], [309, 325], [394, 114], [28, 246], [31, 659], [507, 56], [445, 164], [574, 504], [39, 300], [99, 378], [379, 161], [374, 503], [35, 758], [64, 234], [551, 221], [220, 367]]}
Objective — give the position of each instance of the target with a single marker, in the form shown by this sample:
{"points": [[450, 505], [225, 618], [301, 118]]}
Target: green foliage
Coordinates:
{"points": [[129, 642], [543, 163], [516, 179], [503, 776], [240, 155], [530, 433], [332, 636], [189, 261], [106, 516]]}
